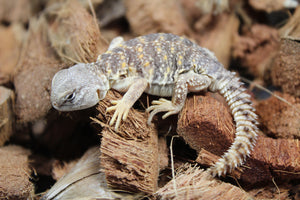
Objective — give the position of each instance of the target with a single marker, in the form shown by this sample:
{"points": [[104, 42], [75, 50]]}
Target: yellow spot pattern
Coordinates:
{"points": [[123, 65], [146, 64], [140, 49], [141, 39], [132, 69], [179, 62], [168, 70]]}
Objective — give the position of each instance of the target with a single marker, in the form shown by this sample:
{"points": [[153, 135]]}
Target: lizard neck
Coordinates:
{"points": [[99, 79]]}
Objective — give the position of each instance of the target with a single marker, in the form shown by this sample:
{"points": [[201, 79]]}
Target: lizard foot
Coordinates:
{"points": [[121, 112], [162, 105]]}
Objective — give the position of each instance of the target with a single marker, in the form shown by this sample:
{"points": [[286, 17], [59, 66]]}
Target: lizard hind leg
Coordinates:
{"points": [[187, 82], [162, 105]]}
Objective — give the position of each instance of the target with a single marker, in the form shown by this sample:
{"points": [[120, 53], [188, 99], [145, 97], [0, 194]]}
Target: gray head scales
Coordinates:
{"points": [[78, 87]]}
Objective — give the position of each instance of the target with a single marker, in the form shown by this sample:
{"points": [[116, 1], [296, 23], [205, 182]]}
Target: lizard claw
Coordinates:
{"points": [[162, 105], [121, 112]]}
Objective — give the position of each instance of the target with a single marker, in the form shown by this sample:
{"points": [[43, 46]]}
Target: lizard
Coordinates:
{"points": [[165, 65]]}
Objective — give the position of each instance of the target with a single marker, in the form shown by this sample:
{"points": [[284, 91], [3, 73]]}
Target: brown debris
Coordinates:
{"points": [[205, 122], [282, 156], [10, 44], [75, 34], [206, 125], [163, 153], [279, 119], [256, 48], [242, 33], [18, 10], [129, 157], [195, 183], [272, 192], [34, 74], [14, 173], [157, 16], [285, 71], [218, 34], [6, 114]]}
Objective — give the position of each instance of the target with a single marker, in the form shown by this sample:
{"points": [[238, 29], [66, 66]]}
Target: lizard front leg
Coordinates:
{"points": [[188, 82], [135, 88]]}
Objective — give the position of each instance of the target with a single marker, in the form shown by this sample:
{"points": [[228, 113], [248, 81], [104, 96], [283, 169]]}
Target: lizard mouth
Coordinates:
{"points": [[56, 105]]}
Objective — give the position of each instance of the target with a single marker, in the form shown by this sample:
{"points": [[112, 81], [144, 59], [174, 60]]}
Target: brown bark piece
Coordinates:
{"points": [[129, 157], [195, 183], [285, 72], [205, 122], [281, 155], [75, 34], [153, 16], [10, 44], [14, 173], [6, 114], [270, 158], [218, 35], [279, 119], [272, 192], [34, 73], [256, 48], [17, 10], [163, 153]]}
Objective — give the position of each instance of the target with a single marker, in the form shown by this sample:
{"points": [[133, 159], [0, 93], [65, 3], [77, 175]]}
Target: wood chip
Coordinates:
{"points": [[195, 183], [37, 66], [15, 173], [285, 71], [6, 114], [157, 16], [206, 123], [74, 33], [129, 157]]}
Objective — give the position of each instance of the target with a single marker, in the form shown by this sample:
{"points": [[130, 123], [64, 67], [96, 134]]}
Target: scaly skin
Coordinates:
{"points": [[163, 65]]}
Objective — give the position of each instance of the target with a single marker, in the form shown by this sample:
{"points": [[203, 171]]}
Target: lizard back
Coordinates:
{"points": [[159, 58]]}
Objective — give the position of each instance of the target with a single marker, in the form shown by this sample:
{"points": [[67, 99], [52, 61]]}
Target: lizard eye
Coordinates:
{"points": [[70, 97]]}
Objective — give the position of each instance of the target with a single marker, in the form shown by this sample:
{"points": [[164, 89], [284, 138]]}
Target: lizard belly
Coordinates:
{"points": [[160, 90]]}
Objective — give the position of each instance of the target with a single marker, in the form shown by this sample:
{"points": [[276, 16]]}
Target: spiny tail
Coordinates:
{"points": [[245, 118]]}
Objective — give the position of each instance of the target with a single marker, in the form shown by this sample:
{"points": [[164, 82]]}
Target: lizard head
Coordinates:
{"points": [[78, 87]]}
